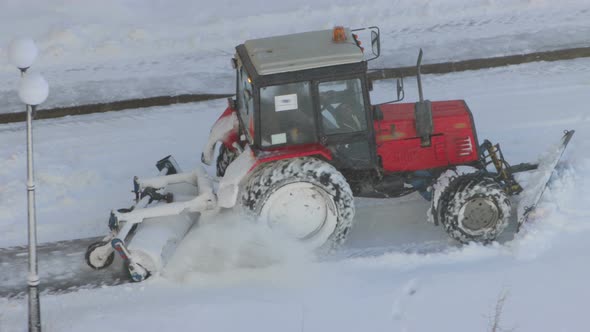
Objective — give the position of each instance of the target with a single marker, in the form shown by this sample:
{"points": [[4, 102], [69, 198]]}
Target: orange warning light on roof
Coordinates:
{"points": [[338, 34], [358, 42]]}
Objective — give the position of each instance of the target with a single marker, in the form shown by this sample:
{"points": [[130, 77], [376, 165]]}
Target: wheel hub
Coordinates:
{"points": [[301, 211], [478, 215], [99, 255]]}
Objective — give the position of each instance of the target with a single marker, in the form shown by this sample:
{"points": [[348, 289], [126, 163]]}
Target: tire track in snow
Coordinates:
{"points": [[62, 269]]}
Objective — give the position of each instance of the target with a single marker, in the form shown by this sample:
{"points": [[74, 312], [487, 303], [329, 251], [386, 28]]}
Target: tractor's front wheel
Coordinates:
{"points": [[304, 198], [474, 207]]}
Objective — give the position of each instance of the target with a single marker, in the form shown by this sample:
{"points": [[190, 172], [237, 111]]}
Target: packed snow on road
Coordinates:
{"points": [[397, 271]]}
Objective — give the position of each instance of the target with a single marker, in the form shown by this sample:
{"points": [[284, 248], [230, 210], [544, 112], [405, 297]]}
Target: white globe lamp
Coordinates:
{"points": [[22, 53], [33, 89]]}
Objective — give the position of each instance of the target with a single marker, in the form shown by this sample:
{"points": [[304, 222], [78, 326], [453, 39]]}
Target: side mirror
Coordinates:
{"points": [[399, 86], [375, 43], [400, 89]]}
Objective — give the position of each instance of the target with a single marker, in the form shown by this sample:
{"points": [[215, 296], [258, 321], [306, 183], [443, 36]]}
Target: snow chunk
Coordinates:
{"points": [[234, 247]]}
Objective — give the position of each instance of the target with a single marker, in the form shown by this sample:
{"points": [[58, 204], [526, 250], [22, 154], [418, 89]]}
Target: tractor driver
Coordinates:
{"points": [[342, 107], [350, 118]]}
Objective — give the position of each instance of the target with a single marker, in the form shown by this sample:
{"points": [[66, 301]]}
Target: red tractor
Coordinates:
{"points": [[303, 111], [301, 139]]}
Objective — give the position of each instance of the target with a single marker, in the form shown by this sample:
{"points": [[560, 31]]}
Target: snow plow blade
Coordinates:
{"points": [[531, 196]]}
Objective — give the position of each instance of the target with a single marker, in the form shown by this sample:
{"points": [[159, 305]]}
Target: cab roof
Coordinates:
{"points": [[301, 51]]}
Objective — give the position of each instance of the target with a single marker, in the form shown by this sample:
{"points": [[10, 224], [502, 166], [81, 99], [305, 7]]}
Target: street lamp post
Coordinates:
{"points": [[33, 90]]}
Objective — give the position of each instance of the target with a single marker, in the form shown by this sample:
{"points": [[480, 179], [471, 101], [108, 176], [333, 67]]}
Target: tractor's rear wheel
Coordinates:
{"points": [[304, 198], [473, 208], [224, 158]]}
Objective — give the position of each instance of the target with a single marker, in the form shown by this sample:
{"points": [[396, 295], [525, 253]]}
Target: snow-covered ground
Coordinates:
{"points": [[112, 49], [397, 273]]}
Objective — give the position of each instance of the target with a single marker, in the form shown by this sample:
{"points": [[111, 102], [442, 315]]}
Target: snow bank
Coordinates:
{"points": [[85, 166]]}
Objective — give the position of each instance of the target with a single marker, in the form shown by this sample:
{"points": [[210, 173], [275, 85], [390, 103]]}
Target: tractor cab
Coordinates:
{"points": [[307, 94]]}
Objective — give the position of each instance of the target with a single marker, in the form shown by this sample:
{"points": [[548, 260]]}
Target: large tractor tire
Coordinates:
{"points": [[304, 198], [224, 158], [472, 208]]}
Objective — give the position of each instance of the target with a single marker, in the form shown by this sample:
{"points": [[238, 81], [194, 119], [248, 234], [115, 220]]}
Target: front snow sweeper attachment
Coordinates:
{"points": [[165, 209]]}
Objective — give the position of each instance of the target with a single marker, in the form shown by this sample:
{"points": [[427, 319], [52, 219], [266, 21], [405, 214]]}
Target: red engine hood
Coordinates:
{"points": [[447, 116], [453, 141]]}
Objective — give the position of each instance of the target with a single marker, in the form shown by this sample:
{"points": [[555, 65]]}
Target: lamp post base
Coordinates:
{"points": [[34, 309]]}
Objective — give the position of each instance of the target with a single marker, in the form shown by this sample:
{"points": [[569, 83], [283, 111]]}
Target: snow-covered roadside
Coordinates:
{"points": [[115, 50], [541, 274], [85, 165]]}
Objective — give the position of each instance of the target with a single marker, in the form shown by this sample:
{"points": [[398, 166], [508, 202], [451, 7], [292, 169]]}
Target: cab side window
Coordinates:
{"points": [[342, 106], [287, 114]]}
